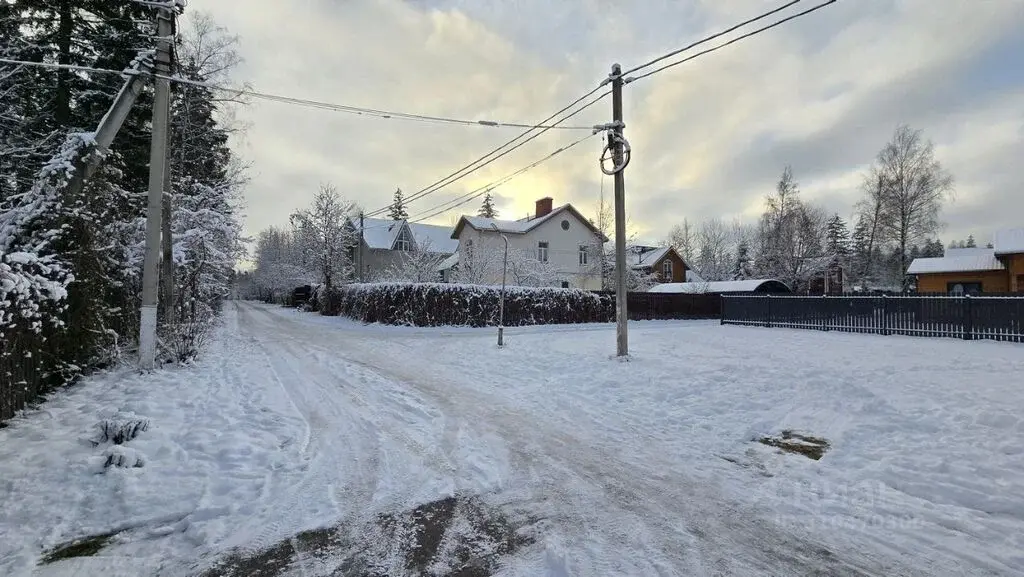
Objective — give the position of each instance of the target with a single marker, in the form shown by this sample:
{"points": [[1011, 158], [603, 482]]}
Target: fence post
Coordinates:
{"points": [[885, 314], [824, 312], [968, 318], [721, 309], [769, 323]]}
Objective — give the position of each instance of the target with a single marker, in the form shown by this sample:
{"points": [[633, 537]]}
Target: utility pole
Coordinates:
{"points": [[157, 166], [361, 237], [616, 142], [166, 240]]}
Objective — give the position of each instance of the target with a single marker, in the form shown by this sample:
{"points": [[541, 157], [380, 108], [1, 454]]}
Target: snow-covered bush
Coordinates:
{"points": [[436, 304]]}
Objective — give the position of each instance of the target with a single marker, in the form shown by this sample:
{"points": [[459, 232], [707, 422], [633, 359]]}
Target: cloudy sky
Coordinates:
{"points": [[710, 137]]}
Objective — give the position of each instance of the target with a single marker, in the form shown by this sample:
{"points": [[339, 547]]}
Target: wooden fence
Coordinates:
{"points": [[968, 317]]}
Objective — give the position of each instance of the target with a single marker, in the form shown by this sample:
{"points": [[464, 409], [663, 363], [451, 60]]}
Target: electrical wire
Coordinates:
{"points": [[487, 158], [357, 110], [712, 37], [478, 192], [733, 41]]}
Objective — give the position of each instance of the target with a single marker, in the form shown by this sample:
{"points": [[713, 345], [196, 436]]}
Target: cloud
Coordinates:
{"points": [[710, 137]]}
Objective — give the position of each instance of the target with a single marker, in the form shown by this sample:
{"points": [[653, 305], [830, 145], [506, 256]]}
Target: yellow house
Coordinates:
{"points": [[975, 270]]}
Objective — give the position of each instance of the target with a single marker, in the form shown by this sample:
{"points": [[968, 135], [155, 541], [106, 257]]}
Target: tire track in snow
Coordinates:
{"points": [[688, 524]]}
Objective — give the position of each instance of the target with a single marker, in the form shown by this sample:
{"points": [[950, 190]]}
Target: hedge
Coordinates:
{"points": [[437, 304]]}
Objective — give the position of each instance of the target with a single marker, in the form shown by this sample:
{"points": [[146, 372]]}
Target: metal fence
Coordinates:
{"points": [[654, 306], [26, 361], [969, 317]]}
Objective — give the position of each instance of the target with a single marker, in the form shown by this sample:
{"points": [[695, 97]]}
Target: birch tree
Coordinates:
{"points": [[323, 238], [911, 187]]}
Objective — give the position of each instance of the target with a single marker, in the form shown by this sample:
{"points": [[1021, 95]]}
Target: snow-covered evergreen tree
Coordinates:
{"points": [[487, 209], [742, 269], [397, 210], [837, 237]]}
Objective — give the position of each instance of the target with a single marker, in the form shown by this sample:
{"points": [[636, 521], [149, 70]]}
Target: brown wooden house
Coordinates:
{"points": [[664, 262], [999, 269]]}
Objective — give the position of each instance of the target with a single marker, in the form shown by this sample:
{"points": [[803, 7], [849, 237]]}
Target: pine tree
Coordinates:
{"points": [[837, 237], [487, 209], [397, 210], [742, 269], [970, 242]]}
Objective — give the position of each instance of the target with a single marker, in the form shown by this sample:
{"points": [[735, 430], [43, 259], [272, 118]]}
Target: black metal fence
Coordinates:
{"points": [[642, 306], [979, 317]]}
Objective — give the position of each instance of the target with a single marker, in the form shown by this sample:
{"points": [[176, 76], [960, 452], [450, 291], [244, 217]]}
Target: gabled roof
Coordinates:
{"points": [[1009, 241], [381, 233], [730, 286], [958, 260], [449, 262], [521, 226], [645, 256]]}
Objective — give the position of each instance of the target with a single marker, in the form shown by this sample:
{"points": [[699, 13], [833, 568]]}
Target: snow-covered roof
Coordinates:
{"points": [[521, 226], [730, 286], [435, 237], [449, 262], [958, 260], [692, 276], [1009, 241], [645, 256], [381, 233]]}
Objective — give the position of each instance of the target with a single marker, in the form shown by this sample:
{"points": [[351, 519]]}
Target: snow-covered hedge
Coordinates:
{"points": [[436, 304]]}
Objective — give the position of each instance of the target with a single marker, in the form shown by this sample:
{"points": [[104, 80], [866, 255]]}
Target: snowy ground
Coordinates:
{"points": [[297, 422]]}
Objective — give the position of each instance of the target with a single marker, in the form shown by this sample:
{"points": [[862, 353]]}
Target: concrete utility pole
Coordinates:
{"points": [[166, 240], [622, 315], [157, 165]]}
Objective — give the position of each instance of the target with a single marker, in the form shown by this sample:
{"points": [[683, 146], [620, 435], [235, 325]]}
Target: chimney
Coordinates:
{"points": [[543, 207]]}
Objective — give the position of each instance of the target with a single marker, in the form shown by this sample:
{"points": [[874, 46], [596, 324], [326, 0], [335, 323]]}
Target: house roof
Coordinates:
{"points": [[449, 262], [521, 226], [731, 286], [381, 233], [1009, 241], [958, 260], [645, 256]]}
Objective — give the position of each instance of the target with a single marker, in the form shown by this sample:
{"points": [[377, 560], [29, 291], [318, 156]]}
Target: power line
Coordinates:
{"points": [[478, 192], [487, 158], [712, 37], [734, 40], [357, 110]]}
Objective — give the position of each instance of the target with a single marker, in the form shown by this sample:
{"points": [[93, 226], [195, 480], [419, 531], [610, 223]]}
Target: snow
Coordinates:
{"points": [[958, 260], [1009, 241], [639, 258], [449, 262], [381, 233], [295, 421], [521, 226], [699, 287]]}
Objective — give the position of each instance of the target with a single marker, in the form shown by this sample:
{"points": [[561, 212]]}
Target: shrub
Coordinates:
{"points": [[435, 304]]}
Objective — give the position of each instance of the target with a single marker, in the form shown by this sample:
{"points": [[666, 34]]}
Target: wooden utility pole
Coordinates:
{"points": [[361, 237], [616, 142], [157, 166]]}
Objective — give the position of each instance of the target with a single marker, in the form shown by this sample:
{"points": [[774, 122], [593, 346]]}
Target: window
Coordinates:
{"points": [[565, 225], [469, 249], [666, 270], [542, 251], [565, 284], [583, 255], [962, 288], [403, 242]]}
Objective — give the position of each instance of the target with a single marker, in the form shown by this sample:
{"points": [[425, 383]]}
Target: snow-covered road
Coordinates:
{"points": [[296, 422]]}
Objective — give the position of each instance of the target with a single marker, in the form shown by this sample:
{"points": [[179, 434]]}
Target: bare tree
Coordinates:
{"points": [[323, 236], [912, 185], [683, 237], [416, 265], [714, 250]]}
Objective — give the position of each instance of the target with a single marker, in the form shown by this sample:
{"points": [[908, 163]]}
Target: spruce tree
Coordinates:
{"points": [[970, 242], [397, 210], [742, 269], [837, 237], [487, 209]]}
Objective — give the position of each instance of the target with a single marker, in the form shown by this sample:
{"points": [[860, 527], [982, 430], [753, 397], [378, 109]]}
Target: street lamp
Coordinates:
{"points": [[504, 270]]}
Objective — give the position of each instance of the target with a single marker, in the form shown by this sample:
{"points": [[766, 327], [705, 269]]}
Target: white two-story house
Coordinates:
{"points": [[556, 246]]}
